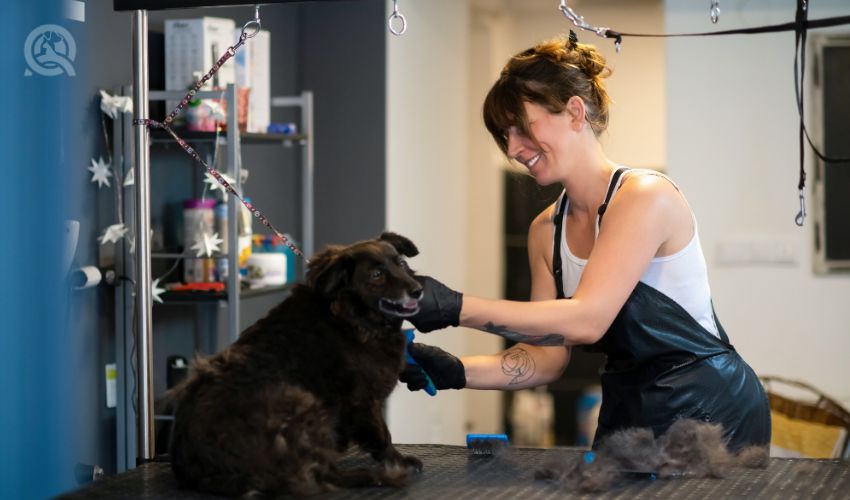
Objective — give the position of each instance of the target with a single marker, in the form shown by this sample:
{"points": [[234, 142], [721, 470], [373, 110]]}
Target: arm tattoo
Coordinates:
{"points": [[551, 339], [517, 364]]}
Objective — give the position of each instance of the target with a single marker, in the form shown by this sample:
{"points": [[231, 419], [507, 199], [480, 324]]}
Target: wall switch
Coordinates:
{"points": [[755, 251]]}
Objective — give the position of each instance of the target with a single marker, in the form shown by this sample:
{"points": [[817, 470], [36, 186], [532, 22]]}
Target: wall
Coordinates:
{"points": [[732, 146], [427, 184]]}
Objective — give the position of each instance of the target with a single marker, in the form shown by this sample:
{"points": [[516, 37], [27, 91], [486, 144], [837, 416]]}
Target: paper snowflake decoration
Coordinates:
{"points": [[215, 185], [113, 233], [113, 105], [156, 291], [100, 172], [207, 244], [130, 178]]}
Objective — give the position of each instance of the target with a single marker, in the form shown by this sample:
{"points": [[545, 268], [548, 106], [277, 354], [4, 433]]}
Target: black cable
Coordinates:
{"points": [[756, 30]]}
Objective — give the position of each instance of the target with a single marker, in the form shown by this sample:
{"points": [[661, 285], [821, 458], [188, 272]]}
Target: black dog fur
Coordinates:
{"points": [[273, 413]]}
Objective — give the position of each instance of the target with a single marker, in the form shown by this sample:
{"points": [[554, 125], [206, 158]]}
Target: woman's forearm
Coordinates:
{"points": [[541, 323], [519, 367]]}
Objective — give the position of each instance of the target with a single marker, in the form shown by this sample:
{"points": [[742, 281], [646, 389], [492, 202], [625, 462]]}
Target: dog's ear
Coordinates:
{"points": [[403, 245], [328, 271]]}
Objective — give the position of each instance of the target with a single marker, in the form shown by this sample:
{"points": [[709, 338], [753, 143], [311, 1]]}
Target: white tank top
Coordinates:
{"points": [[681, 276]]}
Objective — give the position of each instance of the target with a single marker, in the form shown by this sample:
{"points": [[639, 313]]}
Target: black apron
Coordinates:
{"points": [[663, 365]]}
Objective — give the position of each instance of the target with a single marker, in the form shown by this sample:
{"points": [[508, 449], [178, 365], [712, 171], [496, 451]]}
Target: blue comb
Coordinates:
{"points": [[430, 388]]}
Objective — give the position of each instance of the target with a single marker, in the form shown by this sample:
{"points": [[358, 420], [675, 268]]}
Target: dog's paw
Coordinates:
{"points": [[411, 463]]}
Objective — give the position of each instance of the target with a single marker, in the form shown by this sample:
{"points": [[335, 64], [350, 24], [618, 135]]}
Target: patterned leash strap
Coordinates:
{"points": [[166, 125]]}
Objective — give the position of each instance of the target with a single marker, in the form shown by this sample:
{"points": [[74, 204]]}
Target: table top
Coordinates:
{"points": [[452, 472]]}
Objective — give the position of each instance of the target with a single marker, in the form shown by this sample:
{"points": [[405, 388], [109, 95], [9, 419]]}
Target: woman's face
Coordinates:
{"points": [[555, 133]]}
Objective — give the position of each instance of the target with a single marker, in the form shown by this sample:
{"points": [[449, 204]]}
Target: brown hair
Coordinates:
{"points": [[547, 74]]}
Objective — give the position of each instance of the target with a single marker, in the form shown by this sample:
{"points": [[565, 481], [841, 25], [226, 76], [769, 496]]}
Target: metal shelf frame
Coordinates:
{"points": [[134, 356]]}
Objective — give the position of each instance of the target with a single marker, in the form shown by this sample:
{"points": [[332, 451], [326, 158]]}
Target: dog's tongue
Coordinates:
{"points": [[410, 304]]}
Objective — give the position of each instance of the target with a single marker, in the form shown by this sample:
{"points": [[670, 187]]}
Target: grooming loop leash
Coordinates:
{"points": [[249, 30]]}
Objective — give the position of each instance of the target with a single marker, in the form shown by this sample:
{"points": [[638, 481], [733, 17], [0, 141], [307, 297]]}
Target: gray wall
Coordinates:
{"points": [[334, 49]]}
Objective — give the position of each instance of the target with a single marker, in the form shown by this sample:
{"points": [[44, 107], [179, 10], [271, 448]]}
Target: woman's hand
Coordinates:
{"points": [[445, 370], [439, 306]]}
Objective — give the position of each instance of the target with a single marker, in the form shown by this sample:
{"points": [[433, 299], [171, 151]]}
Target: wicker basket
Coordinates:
{"points": [[824, 410]]}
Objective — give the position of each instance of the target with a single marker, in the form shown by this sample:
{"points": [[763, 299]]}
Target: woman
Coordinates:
{"points": [[634, 288]]}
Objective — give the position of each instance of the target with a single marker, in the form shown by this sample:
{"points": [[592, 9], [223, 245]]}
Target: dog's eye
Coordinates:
{"points": [[403, 264], [377, 274]]}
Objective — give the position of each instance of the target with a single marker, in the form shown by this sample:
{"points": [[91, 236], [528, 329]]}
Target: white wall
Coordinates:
{"points": [[732, 146], [427, 184]]}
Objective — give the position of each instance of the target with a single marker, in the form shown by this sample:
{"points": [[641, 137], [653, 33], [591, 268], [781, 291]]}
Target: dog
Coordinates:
{"points": [[273, 413]]}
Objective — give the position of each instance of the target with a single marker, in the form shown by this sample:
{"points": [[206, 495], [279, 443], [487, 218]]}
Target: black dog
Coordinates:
{"points": [[273, 413]]}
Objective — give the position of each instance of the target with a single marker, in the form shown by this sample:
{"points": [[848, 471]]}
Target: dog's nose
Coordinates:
{"points": [[416, 294]]}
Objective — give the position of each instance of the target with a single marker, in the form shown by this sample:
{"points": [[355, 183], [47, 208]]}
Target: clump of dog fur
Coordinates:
{"points": [[688, 449], [273, 413]]}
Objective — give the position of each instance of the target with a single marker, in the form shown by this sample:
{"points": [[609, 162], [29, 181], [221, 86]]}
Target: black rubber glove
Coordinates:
{"points": [[439, 306], [445, 370]]}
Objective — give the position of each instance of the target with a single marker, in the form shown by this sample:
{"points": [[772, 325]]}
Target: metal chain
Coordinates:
{"points": [[166, 125]]}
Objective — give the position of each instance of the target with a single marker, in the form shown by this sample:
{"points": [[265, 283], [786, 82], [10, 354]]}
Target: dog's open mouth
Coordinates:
{"points": [[402, 308]]}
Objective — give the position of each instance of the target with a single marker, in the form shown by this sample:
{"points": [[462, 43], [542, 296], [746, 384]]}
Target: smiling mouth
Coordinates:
{"points": [[401, 308], [533, 161]]}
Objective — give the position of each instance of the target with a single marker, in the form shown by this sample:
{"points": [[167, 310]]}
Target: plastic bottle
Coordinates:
{"points": [[221, 265], [245, 235], [198, 219]]}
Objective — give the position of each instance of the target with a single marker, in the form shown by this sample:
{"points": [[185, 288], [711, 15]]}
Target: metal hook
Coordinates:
{"points": [[801, 215], [396, 15], [714, 11], [579, 22], [252, 27]]}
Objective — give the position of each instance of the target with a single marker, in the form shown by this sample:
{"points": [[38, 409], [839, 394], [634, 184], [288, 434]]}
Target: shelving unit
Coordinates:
{"points": [[230, 299]]}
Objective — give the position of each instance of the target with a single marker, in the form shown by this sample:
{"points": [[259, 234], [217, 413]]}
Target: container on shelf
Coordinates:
{"points": [[275, 244], [198, 219], [221, 226], [245, 220], [266, 269]]}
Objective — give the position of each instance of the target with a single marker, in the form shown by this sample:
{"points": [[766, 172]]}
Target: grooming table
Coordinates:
{"points": [[452, 472]]}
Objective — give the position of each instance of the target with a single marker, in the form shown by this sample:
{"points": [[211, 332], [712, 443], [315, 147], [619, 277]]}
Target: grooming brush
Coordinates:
{"points": [[485, 445], [430, 388]]}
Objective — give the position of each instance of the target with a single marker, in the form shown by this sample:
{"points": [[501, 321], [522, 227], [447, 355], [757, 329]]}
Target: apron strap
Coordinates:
{"points": [[557, 268], [604, 206]]}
